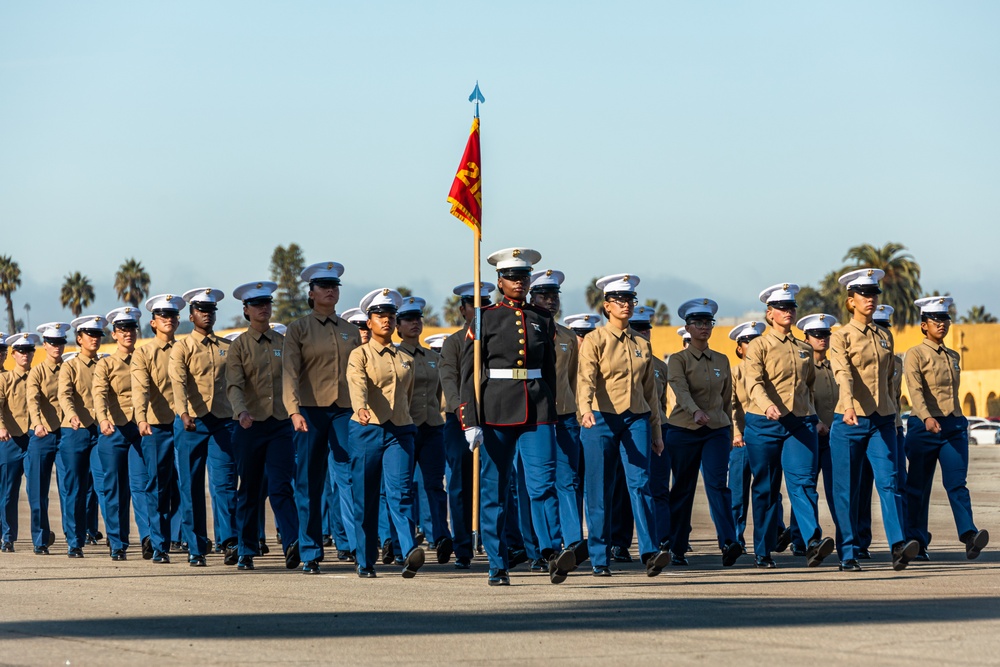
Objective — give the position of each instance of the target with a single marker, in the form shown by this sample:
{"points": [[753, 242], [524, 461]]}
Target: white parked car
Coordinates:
{"points": [[984, 433]]}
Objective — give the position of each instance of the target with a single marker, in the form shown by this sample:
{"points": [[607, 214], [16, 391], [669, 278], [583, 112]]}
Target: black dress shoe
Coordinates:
{"points": [[161, 558], [560, 565], [620, 555], [799, 551], [327, 541], [419, 537], [976, 543], [515, 557], [783, 540], [178, 547], [539, 565], [864, 554], [818, 550], [387, 555], [602, 571], [118, 554], [903, 553], [75, 552], [292, 558], [91, 538], [197, 561], [922, 556], [51, 539], [232, 555], [7, 548], [312, 567], [655, 562], [366, 572], [344, 555], [264, 549], [581, 550], [147, 548], [413, 562], [41, 551], [463, 563], [731, 552], [765, 562], [499, 578], [443, 550], [850, 565], [245, 563], [678, 561]]}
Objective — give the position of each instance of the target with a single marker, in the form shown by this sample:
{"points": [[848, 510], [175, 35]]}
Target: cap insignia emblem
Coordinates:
{"points": [[549, 272], [704, 302], [170, 297], [784, 286], [626, 277], [870, 272], [385, 291], [97, 318], [412, 300], [208, 290], [329, 265], [753, 324], [516, 253], [940, 300], [259, 285]]}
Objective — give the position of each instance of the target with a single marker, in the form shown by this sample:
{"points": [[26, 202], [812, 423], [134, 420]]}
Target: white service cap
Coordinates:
{"points": [[354, 316], [411, 305], [124, 315], [618, 282], [89, 323], [780, 293], [23, 339], [435, 341], [164, 302], [697, 307], [641, 314], [582, 321], [862, 280], [204, 298], [935, 306], [514, 259], [549, 279], [256, 292], [233, 336], [683, 333], [747, 330], [322, 271], [883, 313], [278, 327], [53, 329], [383, 300], [816, 322], [467, 290]]}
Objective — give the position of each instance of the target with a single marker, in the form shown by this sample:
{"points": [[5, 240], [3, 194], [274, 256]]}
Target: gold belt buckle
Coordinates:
{"points": [[519, 373]]}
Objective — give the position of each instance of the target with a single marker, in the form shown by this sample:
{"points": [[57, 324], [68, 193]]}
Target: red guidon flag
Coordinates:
{"points": [[466, 197]]}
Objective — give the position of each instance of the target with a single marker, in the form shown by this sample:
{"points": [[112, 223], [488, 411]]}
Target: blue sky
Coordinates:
{"points": [[711, 148]]}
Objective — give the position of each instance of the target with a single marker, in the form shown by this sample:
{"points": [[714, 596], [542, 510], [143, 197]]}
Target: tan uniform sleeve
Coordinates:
{"points": [[291, 366], [33, 394], [177, 371], [727, 394], [67, 374], [649, 391], [448, 370], [140, 388], [753, 371], [586, 378], [99, 390], [915, 384], [4, 377], [840, 364], [236, 378], [738, 412], [677, 379], [357, 378]]}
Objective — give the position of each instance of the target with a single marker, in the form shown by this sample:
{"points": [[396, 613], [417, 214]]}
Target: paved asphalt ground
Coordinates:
{"points": [[57, 611]]}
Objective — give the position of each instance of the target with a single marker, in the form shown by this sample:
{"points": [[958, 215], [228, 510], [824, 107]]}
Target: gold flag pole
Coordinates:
{"points": [[476, 379]]}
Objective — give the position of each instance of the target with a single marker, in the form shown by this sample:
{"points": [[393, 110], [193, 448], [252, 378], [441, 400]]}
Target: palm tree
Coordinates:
{"points": [[77, 293], [452, 314], [132, 282], [977, 315], [901, 285], [594, 296], [10, 280], [661, 314]]}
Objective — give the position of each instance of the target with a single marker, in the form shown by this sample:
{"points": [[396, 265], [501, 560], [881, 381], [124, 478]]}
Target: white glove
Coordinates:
{"points": [[473, 436]]}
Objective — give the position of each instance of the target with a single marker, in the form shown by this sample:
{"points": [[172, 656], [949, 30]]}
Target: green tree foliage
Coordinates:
{"points": [[977, 315], [452, 314], [661, 314], [132, 282], [10, 280], [77, 293], [901, 285], [290, 300], [431, 319], [594, 296]]}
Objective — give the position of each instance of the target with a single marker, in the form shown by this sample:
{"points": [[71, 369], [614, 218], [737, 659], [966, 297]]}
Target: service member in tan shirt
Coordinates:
{"points": [[817, 329], [262, 438], [198, 377], [314, 389], [380, 381], [13, 430], [861, 356], [44, 419], [699, 432], [659, 466], [79, 431], [739, 462], [152, 402], [937, 432], [425, 410], [616, 396], [119, 444], [780, 430], [544, 292], [456, 450]]}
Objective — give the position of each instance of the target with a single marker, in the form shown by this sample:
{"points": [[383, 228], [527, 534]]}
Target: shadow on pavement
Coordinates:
{"points": [[583, 616]]}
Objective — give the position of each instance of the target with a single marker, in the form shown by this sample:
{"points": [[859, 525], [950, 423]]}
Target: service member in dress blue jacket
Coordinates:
{"points": [[45, 417], [153, 402], [545, 294], [739, 462], [516, 416], [817, 329], [861, 356], [616, 398], [262, 439], [426, 412], [937, 431], [699, 431], [79, 429], [14, 430], [380, 380], [119, 437], [314, 376], [781, 430], [458, 456], [659, 466], [198, 374]]}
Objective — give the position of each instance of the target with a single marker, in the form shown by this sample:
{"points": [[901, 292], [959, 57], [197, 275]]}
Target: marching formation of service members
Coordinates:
{"points": [[587, 440]]}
